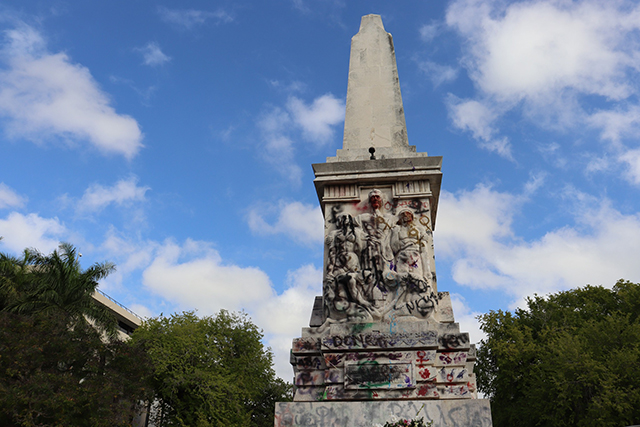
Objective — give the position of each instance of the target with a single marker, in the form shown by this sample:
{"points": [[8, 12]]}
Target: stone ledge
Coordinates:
{"points": [[450, 413]]}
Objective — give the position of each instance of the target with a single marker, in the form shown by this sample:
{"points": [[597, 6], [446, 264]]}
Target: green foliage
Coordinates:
{"points": [[53, 376], [570, 359], [210, 371], [54, 283], [61, 365], [55, 367]]}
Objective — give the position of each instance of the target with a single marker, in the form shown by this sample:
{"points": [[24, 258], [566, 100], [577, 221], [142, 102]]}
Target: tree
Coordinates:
{"points": [[57, 368], [210, 371], [40, 283], [570, 359]]}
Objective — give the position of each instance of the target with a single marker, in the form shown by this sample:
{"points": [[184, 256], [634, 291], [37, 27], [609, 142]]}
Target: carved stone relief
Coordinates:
{"points": [[378, 258]]}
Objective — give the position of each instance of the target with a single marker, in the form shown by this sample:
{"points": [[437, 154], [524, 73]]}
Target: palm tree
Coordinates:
{"points": [[13, 278], [57, 283]]}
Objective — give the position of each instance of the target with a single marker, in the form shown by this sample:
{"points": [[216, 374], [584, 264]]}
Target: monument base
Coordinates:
{"points": [[443, 413]]}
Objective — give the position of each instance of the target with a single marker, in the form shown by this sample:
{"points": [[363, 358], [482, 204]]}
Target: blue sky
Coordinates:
{"points": [[176, 140]]}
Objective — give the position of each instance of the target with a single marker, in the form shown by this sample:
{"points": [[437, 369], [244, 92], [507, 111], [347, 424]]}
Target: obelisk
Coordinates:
{"points": [[374, 115], [382, 341]]}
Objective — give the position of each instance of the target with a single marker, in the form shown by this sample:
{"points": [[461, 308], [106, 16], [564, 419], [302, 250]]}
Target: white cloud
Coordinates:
{"points": [[631, 159], [45, 95], [9, 198], [317, 120], [467, 318], [473, 220], [547, 59], [189, 18], [552, 153], [535, 49], [500, 146], [278, 146], [141, 310], [475, 232], [284, 315], [153, 55], [301, 222], [125, 191], [194, 275], [281, 127], [616, 124], [428, 32], [438, 73], [20, 231], [130, 255], [289, 87], [477, 118]]}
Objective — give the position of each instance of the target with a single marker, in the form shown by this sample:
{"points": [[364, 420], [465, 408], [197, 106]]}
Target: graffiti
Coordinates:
{"points": [[378, 263], [309, 362], [421, 307], [454, 340], [424, 357], [427, 373], [309, 393], [428, 390], [453, 375], [365, 414], [334, 360], [357, 341], [378, 340], [305, 344], [344, 287], [452, 358], [454, 391], [370, 374], [309, 378], [332, 376]]}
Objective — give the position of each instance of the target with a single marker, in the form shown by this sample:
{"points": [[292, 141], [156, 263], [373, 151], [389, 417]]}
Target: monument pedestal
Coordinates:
{"points": [[443, 413], [382, 342]]}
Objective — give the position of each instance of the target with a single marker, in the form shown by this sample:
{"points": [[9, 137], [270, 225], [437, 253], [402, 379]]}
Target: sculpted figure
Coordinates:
{"points": [[411, 266], [344, 287], [376, 256], [407, 243]]}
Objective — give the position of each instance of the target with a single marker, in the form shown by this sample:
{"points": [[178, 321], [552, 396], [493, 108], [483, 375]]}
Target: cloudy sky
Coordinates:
{"points": [[175, 138]]}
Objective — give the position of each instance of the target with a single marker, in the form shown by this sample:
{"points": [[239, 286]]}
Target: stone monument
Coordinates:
{"points": [[382, 341]]}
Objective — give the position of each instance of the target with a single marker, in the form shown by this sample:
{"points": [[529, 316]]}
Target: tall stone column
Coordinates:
{"points": [[382, 340]]}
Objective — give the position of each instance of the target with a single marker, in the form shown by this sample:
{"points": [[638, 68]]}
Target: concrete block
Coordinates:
{"points": [[443, 413]]}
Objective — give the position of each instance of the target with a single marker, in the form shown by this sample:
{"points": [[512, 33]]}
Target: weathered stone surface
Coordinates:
{"points": [[310, 394], [374, 115], [444, 313], [308, 363], [332, 179], [334, 376], [451, 358], [309, 378], [381, 331], [453, 375], [443, 413], [425, 357], [472, 352], [457, 391], [317, 315], [427, 373], [459, 341], [383, 341], [306, 345], [427, 390], [374, 375], [334, 360]]}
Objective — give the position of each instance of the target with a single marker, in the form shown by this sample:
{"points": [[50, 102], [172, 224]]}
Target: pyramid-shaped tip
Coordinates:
{"points": [[370, 21]]}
